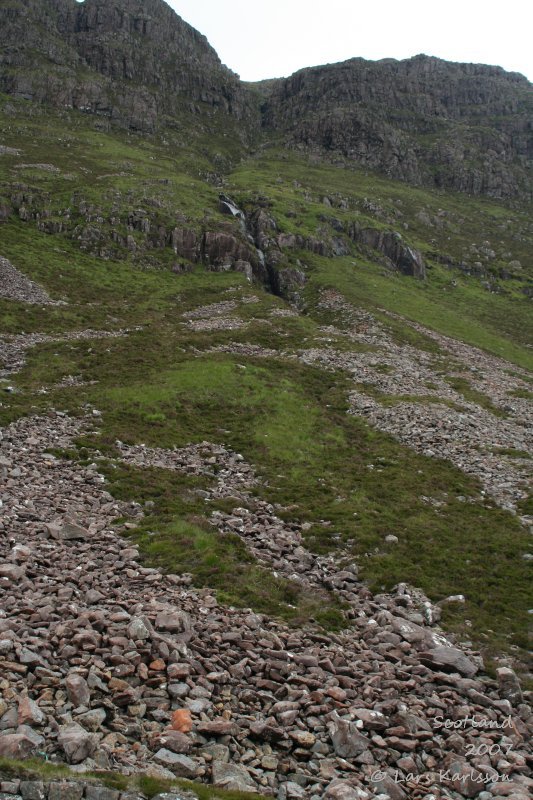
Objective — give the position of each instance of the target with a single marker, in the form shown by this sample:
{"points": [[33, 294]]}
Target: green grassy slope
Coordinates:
{"points": [[163, 385]]}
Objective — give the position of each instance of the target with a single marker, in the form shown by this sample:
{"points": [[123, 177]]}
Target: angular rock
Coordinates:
{"points": [[290, 790], [16, 745], [33, 790], [232, 777], [303, 738], [176, 622], [11, 572], [101, 793], [346, 739], [29, 712], [181, 765], [76, 743], [218, 727], [65, 790], [78, 691], [176, 742], [341, 790], [67, 531], [92, 720], [449, 659], [509, 685]]}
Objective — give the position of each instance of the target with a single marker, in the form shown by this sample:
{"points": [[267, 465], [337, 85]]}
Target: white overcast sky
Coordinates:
{"points": [[259, 39]]}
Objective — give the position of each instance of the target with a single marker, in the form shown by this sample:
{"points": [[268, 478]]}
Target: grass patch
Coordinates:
{"points": [[34, 769], [523, 394], [464, 387]]}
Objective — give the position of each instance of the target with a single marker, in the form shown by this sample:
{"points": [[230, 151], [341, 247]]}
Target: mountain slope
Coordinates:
{"points": [[266, 435], [463, 127], [135, 63]]}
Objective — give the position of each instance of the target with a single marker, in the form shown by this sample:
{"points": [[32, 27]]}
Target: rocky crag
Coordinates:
{"points": [[463, 127], [135, 63]]}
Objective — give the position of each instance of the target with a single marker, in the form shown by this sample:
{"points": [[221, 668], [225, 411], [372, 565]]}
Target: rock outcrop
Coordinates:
{"points": [[465, 127], [137, 63]]}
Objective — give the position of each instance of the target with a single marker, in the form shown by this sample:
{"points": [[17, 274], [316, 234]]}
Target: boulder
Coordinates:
{"points": [[175, 741], [17, 746], [177, 623], [29, 712], [509, 685], [76, 743], [449, 659], [181, 765], [67, 531], [346, 739], [78, 691], [232, 777]]}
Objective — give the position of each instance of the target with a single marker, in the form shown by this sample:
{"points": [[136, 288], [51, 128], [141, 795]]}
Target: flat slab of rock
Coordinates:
{"points": [[449, 659], [232, 777], [67, 531]]}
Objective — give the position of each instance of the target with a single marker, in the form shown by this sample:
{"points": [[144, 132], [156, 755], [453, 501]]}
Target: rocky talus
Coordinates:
{"points": [[409, 392], [107, 664], [16, 286], [427, 413]]}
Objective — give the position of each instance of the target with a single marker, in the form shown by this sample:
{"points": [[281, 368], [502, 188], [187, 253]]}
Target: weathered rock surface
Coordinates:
{"points": [[376, 114], [141, 62]]}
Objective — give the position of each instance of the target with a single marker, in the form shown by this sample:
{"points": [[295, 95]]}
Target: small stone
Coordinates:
{"points": [[178, 689], [218, 727], [182, 720], [303, 738], [93, 597]]}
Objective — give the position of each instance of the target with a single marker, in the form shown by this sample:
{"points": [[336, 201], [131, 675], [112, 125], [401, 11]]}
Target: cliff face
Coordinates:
{"points": [[465, 127], [134, 61]]}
